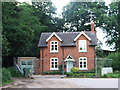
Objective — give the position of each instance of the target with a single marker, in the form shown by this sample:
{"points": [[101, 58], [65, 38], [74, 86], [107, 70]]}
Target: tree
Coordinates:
{"points": [[115, 60], [76, 14], [45, 11], [19, 29], [112, 25]]}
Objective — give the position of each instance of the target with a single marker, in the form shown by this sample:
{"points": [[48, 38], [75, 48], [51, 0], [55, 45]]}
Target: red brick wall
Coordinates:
{"points": [[46, 55]]}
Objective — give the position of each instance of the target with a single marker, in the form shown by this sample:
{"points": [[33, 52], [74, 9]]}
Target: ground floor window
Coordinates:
{"points": [[54, 64], [83, 63]]}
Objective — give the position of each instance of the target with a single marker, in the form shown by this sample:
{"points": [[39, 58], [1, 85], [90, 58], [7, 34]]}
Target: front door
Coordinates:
{"points": [[69, 65]]}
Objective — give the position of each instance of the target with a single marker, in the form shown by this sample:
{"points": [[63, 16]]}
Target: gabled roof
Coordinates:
{"points": [[82, 33], [69, 58], [52, 36], [67, 38]]}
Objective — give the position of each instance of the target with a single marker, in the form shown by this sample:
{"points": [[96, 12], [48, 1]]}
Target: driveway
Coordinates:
{"points": [[57, 82]]}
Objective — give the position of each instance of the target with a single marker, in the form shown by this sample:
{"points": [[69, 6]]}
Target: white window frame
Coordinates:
{"points": [[81, 43], [83, 68], [53, 51], [53, 68]]}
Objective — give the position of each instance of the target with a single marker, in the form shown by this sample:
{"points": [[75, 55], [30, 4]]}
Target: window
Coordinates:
{"points": [[30, 63], [54, 46], [54, 64], [82, 46], [83, 63], [23, 63]]}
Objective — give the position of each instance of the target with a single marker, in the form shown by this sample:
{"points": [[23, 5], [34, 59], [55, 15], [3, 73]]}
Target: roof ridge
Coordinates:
{"points": [[65, 32]]}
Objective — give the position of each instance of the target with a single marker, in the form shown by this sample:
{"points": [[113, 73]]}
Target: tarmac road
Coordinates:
{"points": [[57, 82]]}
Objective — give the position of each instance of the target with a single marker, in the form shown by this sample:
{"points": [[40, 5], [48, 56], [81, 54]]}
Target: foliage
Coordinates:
{"points": [[14, 72], [6, 75], [78, 75], [111, 75], [60, 67], [52, 73], [7, 82], [74, 69], [115, 60], [69, 74], [112, 25], [45, 12], [76, 14], [21, 29]]}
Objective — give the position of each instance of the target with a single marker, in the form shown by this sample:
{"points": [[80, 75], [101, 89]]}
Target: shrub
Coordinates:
{"points": [[60, 68], [74, 69], [52, 73], [89, 74], [111, 75], [14, 73], [6, 75], [69, 74], [115, 60]]}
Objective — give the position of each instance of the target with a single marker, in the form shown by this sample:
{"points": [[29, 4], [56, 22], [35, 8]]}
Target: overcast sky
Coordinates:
{"points": [[59, 5]]}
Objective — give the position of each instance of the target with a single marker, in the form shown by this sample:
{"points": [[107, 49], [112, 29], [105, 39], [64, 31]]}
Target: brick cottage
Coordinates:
{"points": [[73, 49]]}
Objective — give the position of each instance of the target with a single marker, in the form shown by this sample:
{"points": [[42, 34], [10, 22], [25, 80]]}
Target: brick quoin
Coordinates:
{"points": [[45, 54]]}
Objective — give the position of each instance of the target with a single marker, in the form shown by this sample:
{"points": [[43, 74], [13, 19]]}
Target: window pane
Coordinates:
{"points": [[52, 45], [52, 62], [52, 59], [55, 45], [52, 66], [52, 42], [30, 63], [82, 45], [52, 48], [84, 66], [55, 59], [55, 66], [55, 62], [56, 48], [55, 42], [84, 62], [80, 62], [23, 63], [80, 65]]}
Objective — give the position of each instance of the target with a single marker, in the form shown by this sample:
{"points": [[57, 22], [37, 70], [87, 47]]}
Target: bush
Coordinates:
{"points": [[52, 73], [115, 60], [6, 75], [74, 69], [89, 74], [69, 74], [111, 75], [14, 73], [74, 75]]}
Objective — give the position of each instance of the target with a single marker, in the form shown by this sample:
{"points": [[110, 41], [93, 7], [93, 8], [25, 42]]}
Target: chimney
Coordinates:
{"points": [[92, 27]]}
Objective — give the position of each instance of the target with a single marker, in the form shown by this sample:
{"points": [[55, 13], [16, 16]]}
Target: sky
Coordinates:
{"points": [[100, 35]]}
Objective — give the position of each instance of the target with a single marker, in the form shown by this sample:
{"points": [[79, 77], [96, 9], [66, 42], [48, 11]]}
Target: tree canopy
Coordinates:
{"points": [[22, 23]]}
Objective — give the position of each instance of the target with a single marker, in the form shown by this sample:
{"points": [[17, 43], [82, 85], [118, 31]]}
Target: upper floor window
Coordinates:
{"points": [[54, 64], [82, 46], [83, 63], [54, 46]]}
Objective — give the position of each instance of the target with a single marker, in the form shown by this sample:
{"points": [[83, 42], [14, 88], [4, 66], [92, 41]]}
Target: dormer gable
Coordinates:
{"points": [[82, 33], [53, 34]]}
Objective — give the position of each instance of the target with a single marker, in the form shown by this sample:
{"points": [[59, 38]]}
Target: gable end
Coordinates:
{"points": [[82, 33], [53, 34]]}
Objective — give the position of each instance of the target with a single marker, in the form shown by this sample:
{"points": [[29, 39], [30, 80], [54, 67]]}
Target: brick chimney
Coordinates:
{"points": [[92, 27]]}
